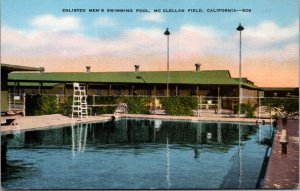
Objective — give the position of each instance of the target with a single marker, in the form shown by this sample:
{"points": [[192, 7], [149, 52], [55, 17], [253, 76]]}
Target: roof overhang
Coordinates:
{"points": [[11, 68]]}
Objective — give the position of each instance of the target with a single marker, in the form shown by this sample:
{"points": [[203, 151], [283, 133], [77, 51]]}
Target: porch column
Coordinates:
{"points": [[41, 87], [132, 89], [64, 89], [19, 90], [219, 106], [14, 88], [13, 97], [86, 88], [109, 90]]}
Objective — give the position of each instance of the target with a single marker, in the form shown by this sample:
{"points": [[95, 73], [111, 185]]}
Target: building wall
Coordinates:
{"points": [[4, 91], [4, 101], [282, 93], [250, 96], [142, 90]]}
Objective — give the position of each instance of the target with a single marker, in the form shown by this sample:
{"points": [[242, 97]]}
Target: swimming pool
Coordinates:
{"points": [[136, 154]]}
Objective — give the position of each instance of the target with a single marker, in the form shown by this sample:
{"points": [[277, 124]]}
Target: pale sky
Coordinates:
{"points": [[39, 33]]}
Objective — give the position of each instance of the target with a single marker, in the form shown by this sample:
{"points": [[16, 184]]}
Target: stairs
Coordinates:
{"points": [[79, 107], [121, 109]]}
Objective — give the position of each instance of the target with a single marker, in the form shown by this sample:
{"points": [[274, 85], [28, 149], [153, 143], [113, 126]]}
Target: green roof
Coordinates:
{"points": [[209, 77], [34, 84]]}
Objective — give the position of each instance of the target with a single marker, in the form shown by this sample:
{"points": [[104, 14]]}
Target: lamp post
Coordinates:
{"points": [[240, 28], [167, 33]]}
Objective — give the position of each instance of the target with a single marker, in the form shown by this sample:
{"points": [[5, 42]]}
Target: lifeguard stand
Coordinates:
{"points": [[79, 107]]}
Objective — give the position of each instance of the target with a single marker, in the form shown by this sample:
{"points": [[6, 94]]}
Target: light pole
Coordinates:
{"points": [[167, 33], [240, 28]]}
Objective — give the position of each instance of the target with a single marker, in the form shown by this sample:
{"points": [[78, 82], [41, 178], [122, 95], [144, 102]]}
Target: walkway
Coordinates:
{"points": [[46, 121], [283, 170], [55, 120], [195, 118]]}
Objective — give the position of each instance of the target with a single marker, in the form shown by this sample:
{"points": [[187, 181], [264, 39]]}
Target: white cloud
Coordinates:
{"points": [[147, 46], [270, 32], [153, 17], [197, 41], [188, 41], [105, 21], [53, 23]]}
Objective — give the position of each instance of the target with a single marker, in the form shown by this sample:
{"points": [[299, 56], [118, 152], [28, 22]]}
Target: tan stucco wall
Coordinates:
{"points": [[4, 101]]}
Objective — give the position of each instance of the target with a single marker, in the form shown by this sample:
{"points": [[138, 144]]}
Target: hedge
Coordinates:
{"points": [[247, 109], [41, 105], [290, 105], [66, 107], [47, 104], [102, 100], [137, 105], [179, 105]]}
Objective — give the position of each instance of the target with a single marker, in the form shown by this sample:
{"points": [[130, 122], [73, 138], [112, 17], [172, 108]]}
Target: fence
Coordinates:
{"points": [[251, 107], [16, 103]]}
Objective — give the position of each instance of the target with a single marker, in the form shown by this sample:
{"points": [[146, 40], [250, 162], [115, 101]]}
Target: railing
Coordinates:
{"points": [[258, 107], [16, 103]]}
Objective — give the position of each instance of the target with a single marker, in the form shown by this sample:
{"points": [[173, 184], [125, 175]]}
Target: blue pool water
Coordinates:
{"points": [[136, 154]]}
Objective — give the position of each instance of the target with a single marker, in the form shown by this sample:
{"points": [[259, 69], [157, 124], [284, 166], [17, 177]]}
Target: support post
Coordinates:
{"points": [[259, 109], [24, 104], [57, 100], [200, 102], [218, 101]]}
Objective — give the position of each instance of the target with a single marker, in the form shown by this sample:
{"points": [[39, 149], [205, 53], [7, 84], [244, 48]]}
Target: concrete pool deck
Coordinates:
{"points": [[55, 120], [283, 169], [46, 121]]}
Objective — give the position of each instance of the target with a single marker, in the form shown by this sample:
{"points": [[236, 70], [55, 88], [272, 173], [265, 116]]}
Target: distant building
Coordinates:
{"points": [[182, 83], [281, 92], [5, 70], [209, 83]]}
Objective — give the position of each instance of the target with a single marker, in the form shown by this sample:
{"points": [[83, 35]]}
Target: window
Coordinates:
{"points": [[118, 91], [160, 92], [193, 92]]}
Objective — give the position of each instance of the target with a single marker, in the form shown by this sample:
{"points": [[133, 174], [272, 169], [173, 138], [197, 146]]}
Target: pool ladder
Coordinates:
{"points": [[79, 107], [121, 109]]}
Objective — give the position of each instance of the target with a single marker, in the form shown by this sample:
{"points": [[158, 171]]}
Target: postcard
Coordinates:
{"points": [[149, 94]]}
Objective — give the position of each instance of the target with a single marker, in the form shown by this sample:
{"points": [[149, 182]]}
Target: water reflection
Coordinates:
{"points": [[168, 164], [79, 137], [240, 157], [135, 132], [173, 149]]}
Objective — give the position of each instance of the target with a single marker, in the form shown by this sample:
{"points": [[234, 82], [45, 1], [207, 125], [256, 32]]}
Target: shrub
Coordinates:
{"points": [[137, 105], [290, 105], [247, 109], [41, 104], [103, 110], [102, 100], [66, 107], [179, 105]]}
